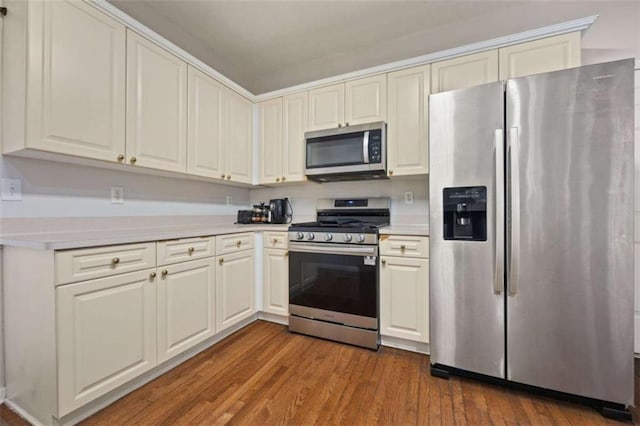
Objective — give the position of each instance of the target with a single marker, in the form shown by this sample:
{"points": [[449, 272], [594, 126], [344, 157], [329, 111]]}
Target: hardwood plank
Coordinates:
{"points": [[264, 375]]}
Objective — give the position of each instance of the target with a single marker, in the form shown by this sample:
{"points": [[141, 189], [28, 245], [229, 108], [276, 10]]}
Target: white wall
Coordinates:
{"points": [[303, 196], [637, 208], [52, 189]]}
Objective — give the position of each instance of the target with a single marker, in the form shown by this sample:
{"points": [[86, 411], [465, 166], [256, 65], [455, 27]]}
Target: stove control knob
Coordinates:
{"points": [[348, 237], [310, 236], [328, 237], [361, 238], [299, 235]]}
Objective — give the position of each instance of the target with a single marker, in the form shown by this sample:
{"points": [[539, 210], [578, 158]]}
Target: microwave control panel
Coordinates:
{"points": [[375, 146]]}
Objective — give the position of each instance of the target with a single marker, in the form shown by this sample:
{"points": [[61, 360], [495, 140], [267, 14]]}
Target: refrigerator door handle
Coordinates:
{"points": [[514, 209], [499, 211]]}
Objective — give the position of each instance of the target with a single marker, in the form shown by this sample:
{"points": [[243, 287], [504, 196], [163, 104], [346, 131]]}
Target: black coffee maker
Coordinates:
{"points": [[280, 210]]}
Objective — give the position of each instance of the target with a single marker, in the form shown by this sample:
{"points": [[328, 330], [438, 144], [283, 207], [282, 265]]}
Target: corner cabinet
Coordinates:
{"points": [[354, 102], [72, 81], [408, 121], [156, 106], [238, 134], [404, 288]]}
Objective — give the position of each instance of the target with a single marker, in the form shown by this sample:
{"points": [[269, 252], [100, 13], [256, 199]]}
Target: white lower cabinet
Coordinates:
{"points": [[106, 335], [235, 288], [404, 293], [276, 281], [186, 306]]}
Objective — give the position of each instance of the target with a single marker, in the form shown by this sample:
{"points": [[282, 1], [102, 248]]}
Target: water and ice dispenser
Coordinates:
{"points": [[465, 213]]}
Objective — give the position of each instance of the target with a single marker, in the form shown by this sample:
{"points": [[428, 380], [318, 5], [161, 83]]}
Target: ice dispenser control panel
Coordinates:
{"points": [[465, 213]]}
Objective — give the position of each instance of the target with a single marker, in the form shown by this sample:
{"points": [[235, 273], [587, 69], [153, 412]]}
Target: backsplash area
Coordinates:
{"points": [[303, 196]]}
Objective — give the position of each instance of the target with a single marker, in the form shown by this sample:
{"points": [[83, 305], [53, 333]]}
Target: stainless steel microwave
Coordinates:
{"points": [[347, 153]]}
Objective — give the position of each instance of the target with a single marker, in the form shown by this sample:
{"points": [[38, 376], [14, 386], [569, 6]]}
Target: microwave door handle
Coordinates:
{"points": [[365, 147]]}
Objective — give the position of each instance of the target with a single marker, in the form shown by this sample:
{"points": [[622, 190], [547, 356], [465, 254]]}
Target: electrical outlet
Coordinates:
{"points": [[229, 200], [408, 197], [11, 190], [117, 195]]}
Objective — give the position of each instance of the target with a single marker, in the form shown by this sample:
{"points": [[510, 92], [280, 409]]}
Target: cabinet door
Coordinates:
{"points": [[404, 298], [366, 100], [294, 125], [238, 135], [234, 288], [205, 142], [106, 335], [407, 129], [156, 106], [77, 88], [186, 306], [545, 55], [276, 281], [326, 107], [465, 71], [271, 141]]}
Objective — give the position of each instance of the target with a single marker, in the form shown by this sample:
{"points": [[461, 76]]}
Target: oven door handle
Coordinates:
{"points": [[334, 249]]}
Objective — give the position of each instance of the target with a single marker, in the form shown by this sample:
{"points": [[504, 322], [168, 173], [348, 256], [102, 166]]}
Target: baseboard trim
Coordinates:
{"points": [[22, 413], [407, 345], [278, 319]]}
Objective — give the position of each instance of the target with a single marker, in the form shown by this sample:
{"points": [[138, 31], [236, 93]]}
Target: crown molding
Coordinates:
{"points": [[147, 32], [581, 24]]}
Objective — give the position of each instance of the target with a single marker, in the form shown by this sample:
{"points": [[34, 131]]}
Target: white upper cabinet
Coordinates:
{"points": [[76, 81], [294, 125], [326, 107], [408, 124], [205, 142], [545, 55], [156, 106], [366, 100], [354, 102], [465, 71], [238, 135], [271, 141]]}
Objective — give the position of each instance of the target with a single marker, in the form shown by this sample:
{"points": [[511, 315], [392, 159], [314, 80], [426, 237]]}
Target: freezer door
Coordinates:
{"points": [[570, 206], [466, 280]]}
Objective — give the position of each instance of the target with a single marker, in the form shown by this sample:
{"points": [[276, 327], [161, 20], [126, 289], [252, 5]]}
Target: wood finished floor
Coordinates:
{"points": [[263, 375]]}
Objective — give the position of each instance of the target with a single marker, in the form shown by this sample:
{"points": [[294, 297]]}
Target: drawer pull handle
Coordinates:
{"points": [[402, 247], [152, 275], [384, 262], [222, 176], [274, 241], [221, 260], [238, 243], [277, 179], [133, 160], [115, 260], [121, 157], [228, 177], [191, 250], [284, 178], [164, 272]]}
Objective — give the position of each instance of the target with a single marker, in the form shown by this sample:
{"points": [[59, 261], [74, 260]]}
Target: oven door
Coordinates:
{"points": [[334, 282]]}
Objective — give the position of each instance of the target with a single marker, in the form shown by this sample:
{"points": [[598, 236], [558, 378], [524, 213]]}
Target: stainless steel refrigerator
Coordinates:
{"points": [[531, 218]]}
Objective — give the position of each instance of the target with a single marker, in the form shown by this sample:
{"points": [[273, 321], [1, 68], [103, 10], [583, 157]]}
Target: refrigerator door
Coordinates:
{"points": [[466, 279], [570, 231]]}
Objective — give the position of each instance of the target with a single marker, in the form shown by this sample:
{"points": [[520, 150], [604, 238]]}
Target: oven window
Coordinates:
{"points": [[330, 151], [338, 283]]}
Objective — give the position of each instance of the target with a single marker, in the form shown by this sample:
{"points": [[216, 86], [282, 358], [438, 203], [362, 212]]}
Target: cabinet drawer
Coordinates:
{"points": [[404, 245], [233, 242], [277, 240], [174, 251], [97, 262]]}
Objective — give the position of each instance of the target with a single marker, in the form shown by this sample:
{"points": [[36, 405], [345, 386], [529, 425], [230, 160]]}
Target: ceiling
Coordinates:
{"points": [[270, 45]]}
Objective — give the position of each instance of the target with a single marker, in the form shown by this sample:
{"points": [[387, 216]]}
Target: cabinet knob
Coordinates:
{"points": [[384, 261], [115, 260], [346, 124], [133, 160], [222, 176], [402, 247], [221, 260], [286, 253], [284, 178], [228, 177], [121, 157], [390, 172], [191, 250], [238, 243], [274, 241], [152, 275], [164, 272], [339, 124], [277, 179]]}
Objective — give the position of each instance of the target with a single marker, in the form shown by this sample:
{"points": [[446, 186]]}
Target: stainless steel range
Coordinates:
{"points": [[333, 271]]}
